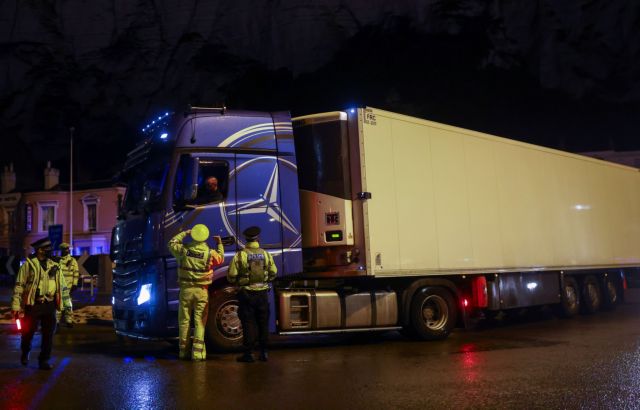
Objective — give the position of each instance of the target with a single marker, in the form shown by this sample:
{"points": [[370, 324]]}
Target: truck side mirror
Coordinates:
{"points": [[190, 183], [192, 193]]}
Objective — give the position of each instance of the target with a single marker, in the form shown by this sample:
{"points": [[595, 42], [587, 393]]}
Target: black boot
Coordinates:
{"points": [[264, 356], [45, 366], [24, 358], [246, 358]]}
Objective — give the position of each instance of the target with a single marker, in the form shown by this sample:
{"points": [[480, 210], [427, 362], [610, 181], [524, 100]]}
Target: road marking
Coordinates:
{"points": [[50, 382]]}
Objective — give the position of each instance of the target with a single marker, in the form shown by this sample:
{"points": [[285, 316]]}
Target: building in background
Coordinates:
{"points": [[29, 213], [9, 200]]}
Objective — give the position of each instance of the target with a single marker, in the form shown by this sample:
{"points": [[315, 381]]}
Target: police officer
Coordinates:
{"points": [[195, 273], [252, 269], [69, 267], [39, 292]]}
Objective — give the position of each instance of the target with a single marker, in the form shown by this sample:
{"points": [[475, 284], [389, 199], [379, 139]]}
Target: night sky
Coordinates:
{"points": [[563, 76]]}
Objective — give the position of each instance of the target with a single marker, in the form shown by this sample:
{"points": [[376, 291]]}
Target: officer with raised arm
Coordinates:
{"points": [[39, 292], [195, 273], [252, 269]]}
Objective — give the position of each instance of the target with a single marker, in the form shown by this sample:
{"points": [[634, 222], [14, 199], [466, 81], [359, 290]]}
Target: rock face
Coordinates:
{"points": [[104, 66]]}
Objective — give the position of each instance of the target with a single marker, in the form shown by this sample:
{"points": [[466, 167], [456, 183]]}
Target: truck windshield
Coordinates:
{"points": [[145, 184], [322, 150]]}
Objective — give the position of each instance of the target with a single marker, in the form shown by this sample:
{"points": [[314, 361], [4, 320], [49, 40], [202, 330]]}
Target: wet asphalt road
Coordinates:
{"points": [[528, 362]]}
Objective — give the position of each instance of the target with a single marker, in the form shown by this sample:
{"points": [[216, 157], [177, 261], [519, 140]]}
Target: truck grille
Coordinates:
{"points": [[125, 280]]}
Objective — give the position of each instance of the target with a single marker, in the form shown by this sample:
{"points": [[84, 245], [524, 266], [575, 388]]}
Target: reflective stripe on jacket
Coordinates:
{"points": [[70, 270], [195, 260], [28, 279], [240, 272]]}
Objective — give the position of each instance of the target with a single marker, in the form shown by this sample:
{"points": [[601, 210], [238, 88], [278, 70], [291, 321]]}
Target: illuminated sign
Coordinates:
{"points": [[333, 236], [28, 217]]}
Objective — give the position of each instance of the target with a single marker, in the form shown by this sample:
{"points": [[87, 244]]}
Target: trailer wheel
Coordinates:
{"points": [[224, 330], [609, 294], [433, 313], [591, 296], [570, 299]]}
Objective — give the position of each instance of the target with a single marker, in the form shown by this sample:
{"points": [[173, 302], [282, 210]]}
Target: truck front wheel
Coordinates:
{"points": [[224, 330], [433, 313]]}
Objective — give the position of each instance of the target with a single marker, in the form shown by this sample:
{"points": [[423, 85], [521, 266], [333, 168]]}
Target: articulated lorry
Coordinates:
{"points": [[377, 221]]}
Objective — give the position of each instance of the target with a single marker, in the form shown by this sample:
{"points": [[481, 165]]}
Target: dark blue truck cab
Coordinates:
{"points": [[252, 156]]}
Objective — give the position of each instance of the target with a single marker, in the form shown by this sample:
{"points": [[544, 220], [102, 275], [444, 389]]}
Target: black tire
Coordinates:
{"points": [[610, 295], [569, 299], [224, 330], [591, 295], [433, 313]]}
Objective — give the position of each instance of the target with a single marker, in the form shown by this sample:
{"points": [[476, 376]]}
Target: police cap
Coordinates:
{"points": [[64, 245], [42, 243], [199, 233], [251, 233]]}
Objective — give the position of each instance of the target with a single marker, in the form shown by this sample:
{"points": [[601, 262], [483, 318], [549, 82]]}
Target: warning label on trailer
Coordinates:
{"points": [[369, 117]]}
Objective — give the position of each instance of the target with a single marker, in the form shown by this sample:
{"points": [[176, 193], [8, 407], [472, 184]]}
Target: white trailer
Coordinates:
{"points": [[413, 224], [481, 203]]}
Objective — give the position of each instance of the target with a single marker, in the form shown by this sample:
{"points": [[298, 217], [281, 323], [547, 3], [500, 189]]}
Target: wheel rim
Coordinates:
{"points": [[572, 297], [594, 296], [227, 320], [613, 293], [435, 312]]}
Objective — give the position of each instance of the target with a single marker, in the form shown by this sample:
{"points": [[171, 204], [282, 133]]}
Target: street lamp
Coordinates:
{"points": [[71, 130]]}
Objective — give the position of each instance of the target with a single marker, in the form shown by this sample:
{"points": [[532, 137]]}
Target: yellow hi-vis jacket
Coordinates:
{"points": [[28, 280], [195, 260], [242, 273], [70, 270]]}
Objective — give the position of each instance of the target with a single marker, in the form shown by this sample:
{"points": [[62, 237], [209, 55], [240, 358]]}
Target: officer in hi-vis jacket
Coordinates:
{"points": [[252, 269], [39, 292], [195, 273], [71, 273]]}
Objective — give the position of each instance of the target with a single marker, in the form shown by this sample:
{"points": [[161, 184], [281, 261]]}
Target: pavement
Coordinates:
{"points": [[533, 361], [87, 308]]}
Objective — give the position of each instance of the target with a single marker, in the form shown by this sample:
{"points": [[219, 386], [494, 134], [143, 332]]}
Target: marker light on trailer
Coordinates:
{"points": [[18, 325]]}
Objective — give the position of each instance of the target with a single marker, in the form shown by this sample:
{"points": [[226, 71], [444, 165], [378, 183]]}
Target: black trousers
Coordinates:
{"points": [[253, 310], [45, 313]]}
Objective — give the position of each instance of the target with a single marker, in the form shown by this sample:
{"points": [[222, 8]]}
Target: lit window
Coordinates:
{"points": [[47, 216]]}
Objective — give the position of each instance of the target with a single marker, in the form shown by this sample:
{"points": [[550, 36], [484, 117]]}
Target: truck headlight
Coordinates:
{"points": [[145, 293]]}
